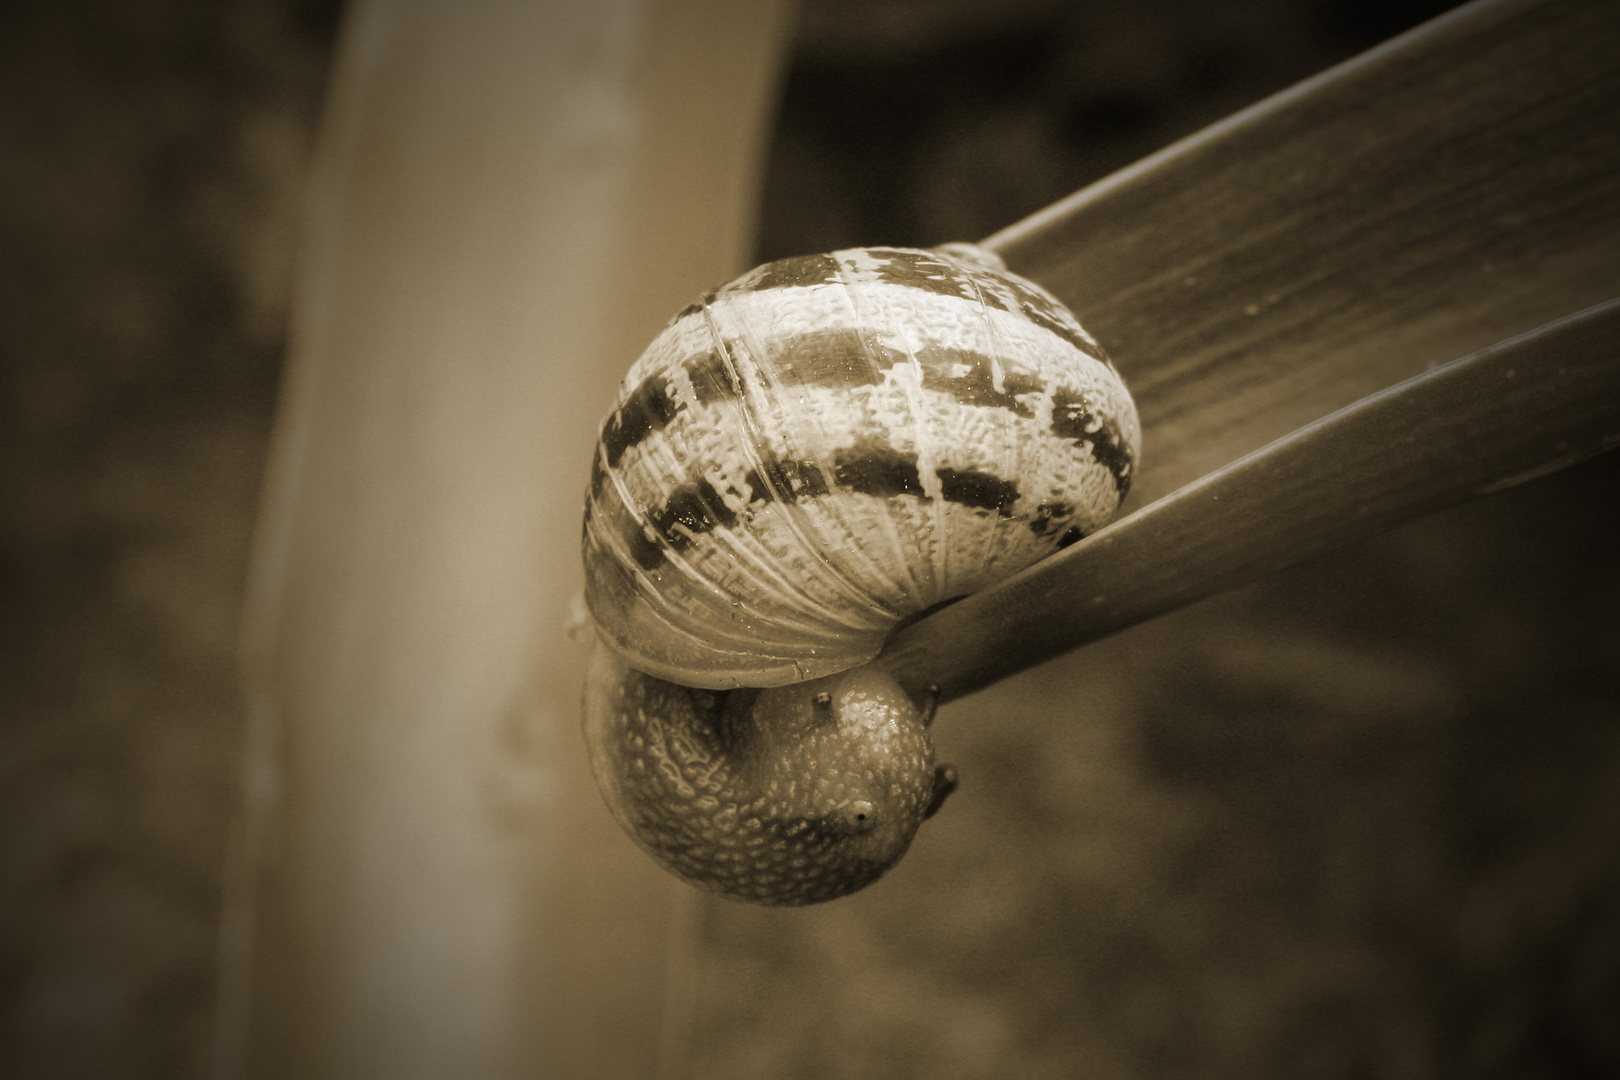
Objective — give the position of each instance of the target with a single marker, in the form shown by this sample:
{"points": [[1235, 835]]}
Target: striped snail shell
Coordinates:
{"points": [[801, 460], [831, 443]]}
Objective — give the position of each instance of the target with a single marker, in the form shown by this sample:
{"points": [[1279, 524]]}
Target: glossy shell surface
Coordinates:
{"points": [[830, 443]]}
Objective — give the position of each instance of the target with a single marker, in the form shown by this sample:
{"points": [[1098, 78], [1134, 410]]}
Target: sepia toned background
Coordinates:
{"points": [[1361, 819]]}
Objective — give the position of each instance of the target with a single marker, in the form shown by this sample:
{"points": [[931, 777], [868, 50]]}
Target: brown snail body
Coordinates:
{"points": [[789, 795], [801, 460]]}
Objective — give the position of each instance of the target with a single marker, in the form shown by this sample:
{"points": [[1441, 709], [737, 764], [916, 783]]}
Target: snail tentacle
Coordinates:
{"points": [[945, 782]]}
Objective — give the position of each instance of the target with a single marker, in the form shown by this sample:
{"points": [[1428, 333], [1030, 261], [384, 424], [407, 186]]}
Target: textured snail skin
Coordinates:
{"points": [[832, 443], [785, 796]]}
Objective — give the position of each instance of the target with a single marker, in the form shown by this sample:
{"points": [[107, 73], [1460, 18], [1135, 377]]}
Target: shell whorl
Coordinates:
{"points": [[831, 443]]}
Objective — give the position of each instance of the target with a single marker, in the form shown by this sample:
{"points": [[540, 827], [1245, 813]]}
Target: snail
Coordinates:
{"points": [[801, 460]]}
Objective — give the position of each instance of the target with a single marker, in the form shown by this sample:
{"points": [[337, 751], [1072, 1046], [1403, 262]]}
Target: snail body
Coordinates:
{"points": [[800, 461], [783, 796]]}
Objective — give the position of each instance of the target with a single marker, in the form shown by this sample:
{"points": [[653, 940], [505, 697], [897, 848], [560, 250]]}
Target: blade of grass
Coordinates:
{"points": [[1513, 411], [1450, 189]]}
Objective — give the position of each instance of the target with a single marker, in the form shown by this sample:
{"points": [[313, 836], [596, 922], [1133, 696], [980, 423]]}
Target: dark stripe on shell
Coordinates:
{"points": [[697, 507], [1073, 419], [870, 467], [1003, 291], [977, 386], [645, 550], [711, 380], [1049, 517], [785, 481], [981, 490], [798, 270], [694, 308], [648, 409], [842, 358], [1045, 311], [691, 509], [837, 356], [845, 356], [873, 468], [598, 477], [689, 309], [922, 270]]}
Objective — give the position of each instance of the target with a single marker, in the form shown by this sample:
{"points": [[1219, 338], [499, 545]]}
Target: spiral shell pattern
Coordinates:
{"points": [[830, 443]]}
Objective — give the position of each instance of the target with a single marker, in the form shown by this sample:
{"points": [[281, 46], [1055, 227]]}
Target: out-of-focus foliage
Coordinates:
{"points": [[152, 160]]}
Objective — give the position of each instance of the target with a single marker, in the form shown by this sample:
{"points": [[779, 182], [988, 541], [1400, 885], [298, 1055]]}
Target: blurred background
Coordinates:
{"points": [[1361, 819]]}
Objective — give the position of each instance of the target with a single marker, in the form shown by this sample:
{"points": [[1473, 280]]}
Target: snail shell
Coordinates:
{"points": [[831, 443], [798, 462]]}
